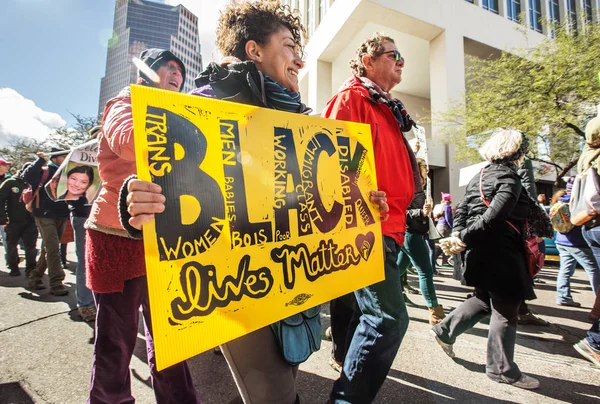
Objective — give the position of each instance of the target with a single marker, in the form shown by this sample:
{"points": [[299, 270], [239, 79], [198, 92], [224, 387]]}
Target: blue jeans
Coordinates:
{"points": [[416, 251], [382, 325], [569, 256], [84, 296], [594, 335], [592, 236]]}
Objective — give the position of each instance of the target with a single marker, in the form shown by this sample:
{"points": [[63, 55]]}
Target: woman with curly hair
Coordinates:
{"points": [[262, 47]]}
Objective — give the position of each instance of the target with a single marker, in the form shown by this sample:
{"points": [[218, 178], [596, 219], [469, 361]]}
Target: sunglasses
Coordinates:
{"points": [[397, 56]]}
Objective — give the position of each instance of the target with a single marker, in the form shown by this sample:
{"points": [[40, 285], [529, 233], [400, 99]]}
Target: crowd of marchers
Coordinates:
{"points": [[484, 236]]}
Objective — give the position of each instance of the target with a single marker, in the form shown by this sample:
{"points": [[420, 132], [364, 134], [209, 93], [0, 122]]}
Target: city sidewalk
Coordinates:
{"points": [[45, 353]]}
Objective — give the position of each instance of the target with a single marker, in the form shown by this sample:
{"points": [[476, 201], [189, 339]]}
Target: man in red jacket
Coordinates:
{"points": [[377, 68]]}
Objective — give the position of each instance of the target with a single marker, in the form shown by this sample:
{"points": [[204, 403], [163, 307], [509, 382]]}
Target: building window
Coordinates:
{"points": [[513, 9], [535, 15], [322, 9], [469, 1], [587, 6], [572, 14], [554, 11], [491, 5]]}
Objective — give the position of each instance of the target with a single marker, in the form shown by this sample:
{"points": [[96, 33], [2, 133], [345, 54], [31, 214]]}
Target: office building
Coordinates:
{"points": [[142, 24], [434, 36]]}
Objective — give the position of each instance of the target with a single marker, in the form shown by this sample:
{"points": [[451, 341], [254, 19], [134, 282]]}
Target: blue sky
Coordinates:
{"points": [[54, 52], [54, 55]]}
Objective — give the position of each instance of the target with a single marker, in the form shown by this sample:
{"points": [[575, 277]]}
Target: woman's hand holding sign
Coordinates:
{"points": [[143, 201]]}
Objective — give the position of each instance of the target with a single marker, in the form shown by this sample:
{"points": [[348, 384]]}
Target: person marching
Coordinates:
{"points": [[495, 257], [365, 98], [116, 270]]}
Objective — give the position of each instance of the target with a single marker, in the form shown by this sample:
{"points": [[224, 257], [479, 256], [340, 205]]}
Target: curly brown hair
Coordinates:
{"points": [[372, 46], [244, 21]]}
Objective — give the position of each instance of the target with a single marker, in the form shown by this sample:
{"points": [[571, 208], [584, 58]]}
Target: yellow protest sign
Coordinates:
{"points": [[267, 214]]}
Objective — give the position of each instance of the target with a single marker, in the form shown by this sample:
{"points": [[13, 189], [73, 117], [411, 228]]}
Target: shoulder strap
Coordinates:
{"points": [[45, 175], [36, 195], [488, 204]]}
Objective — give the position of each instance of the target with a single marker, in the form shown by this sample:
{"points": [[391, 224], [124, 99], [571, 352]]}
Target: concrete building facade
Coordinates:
{"points": [[142, 24], [434, 37]]}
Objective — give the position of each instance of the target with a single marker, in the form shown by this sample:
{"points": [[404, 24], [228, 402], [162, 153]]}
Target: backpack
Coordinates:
{"points": [[29, 195], [560, 217]]}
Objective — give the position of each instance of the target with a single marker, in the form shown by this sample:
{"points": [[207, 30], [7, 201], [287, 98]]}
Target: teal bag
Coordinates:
{"points": [[299, 336]]}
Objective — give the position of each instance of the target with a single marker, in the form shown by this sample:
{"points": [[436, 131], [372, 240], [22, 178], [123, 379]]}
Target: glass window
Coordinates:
{"points": [[587, 6], [572, 13], [322, 9], [535, 15], [554, 11], [469, 1], [491, 5], [513, 9]]}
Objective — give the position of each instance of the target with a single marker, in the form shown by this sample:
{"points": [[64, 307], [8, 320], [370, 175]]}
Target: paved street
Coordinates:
{"points": [[45, 354]]}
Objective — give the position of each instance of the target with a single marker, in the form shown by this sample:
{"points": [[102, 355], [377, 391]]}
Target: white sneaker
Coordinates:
{"points": [[447, 348], [526, 382]]}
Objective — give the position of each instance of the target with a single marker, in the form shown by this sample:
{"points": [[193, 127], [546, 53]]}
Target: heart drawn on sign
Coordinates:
{"points": [[364, 243]]}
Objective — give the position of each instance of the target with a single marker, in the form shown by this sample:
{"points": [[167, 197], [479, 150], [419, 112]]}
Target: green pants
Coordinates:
{"points": [[51, 231], [415, 250]]}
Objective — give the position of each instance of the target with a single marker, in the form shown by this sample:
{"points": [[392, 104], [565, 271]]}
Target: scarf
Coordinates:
{"points": [[404, 121], [395, 105], [282, 99]]}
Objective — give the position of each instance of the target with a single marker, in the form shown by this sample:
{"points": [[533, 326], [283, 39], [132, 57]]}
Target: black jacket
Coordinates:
{"points": [[47, 207], [495, 256], [80, 207], [237, 82], [415, 221], [11, 208]]}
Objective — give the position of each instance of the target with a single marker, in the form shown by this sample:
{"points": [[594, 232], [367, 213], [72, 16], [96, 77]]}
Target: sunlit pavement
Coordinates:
{"points": [[45, 353]]}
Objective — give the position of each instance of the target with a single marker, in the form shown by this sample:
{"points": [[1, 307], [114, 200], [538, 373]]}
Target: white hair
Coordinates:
{"points": [[502, 144]]}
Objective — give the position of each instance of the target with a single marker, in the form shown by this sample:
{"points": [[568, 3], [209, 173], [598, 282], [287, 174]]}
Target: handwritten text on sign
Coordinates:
{"points": [[267, 214]]}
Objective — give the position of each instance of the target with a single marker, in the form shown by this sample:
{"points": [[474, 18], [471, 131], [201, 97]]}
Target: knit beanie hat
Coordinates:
{"points": [[154, 58], [446, 197]]}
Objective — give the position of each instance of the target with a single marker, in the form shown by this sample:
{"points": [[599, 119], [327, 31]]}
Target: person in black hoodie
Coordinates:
{"points": [[51, 219], [18, 223]]}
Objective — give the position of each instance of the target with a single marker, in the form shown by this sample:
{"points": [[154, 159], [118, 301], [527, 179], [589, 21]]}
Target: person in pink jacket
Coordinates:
{"points": [[115, 263]]}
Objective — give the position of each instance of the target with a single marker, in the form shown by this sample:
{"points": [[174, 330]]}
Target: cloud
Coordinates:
{"points": [[20, 116]]}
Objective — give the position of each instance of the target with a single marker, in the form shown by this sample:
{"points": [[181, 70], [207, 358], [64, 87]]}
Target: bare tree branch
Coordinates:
{"points": [[576, 129]]}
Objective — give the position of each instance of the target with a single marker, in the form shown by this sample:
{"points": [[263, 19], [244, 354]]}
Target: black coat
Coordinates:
{"points": [[495, 256], [415, 221], [11, 208], [47, 207]]}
